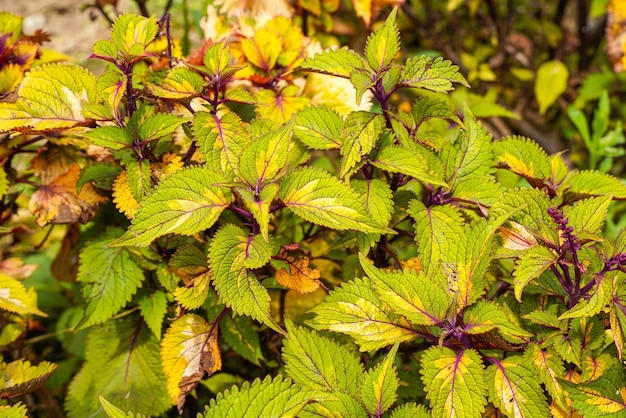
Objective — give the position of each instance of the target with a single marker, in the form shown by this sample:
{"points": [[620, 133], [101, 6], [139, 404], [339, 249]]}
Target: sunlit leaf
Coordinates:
{"points": [[379, 385], [19, 377]]}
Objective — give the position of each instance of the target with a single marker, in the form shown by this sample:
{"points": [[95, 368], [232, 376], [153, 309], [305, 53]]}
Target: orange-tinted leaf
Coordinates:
{"points": [[300, 277], [123, 196], [58, 203]]}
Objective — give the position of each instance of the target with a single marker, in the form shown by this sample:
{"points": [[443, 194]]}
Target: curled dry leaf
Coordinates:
{"points": [[300, 277], [58, 203]]}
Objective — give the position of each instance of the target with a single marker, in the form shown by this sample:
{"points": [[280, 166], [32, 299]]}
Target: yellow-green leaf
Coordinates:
{"points": [[15, 298], [550, 83], [20, 377]]}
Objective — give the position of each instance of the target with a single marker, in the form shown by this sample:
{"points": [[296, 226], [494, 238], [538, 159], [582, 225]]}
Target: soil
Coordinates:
{"points": [[73, 28]]}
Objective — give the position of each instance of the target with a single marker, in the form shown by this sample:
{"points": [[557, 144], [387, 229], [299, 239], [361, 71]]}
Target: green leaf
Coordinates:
{"points": [[153, 308], [179, 83], [378, 198], [531, 207], [485, 316], [379, 385], [319, 127], [159, 125], [320, 363], [411, 410], [186, 202], [360, 131], [405, 293], [336, 405], [15, 298], [241, 335], [270, 397], [383, 45], [605, 396], [221, 137], [259, 205], [114, 412], [112, 137], [475, 156], [19, 377], [262, 160], [595, 183], [122, 364], [101, 174], [426, 108], [594, 304], [454, 382], [50, 99], [318, 197], [355, 309], [397, 159], [480, 190], [17, 410], [112, 87], [550, 369], [515, 389], [531, 265], [338, 62], [237, 287], [110, 278], [434, 74], [523, 156], [550, 83], [130, 29], [588, 215], [436, 230], [139, 181], [11, 24], [189, 349]]}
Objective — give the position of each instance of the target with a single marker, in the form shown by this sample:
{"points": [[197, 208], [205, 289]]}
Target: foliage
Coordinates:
{"points": [[253, 248]]}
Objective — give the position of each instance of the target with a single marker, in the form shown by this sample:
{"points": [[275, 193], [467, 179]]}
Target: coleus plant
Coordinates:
{"points": [[394, 262]]}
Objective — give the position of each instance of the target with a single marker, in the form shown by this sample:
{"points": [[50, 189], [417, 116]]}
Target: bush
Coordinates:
{"points": [[244, 222]]}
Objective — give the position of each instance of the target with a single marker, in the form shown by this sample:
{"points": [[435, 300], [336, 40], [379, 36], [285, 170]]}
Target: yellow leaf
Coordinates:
{"points": [[280, 106], [15, 298], [300, 277], [20, 377], [10, 77], [123, 197], [262, 49], [58, 203], [517, 237], [188, 350], [193, 295]]}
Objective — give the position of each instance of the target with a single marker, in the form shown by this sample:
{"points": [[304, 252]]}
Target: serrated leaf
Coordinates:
{"points": [[335, 405], [237, 287], [15, 298], [123, 196], [122, 364], [411, 410], [114, 412], [262, 49], [454, 382], [523, 156], [153, 308], [50, 99], [605, 396], [355, 309], [338, 62], [426, 108], [186, 202], [595, 366], [406, 294], [436, 230], [484, 316], [322, 199], [159, 125], [112, 137], [241, 335], [262, 160], [531, 204], [112, 86], [110, 278], [280, 106], [101, 174], [17, 410], [188, 262], [19, 377], [531, 265], [588, 215], [188, 350], [300, 276], [397, 159], [221, 137], [475, 155], [178, 84], [360, 132], [259, 205], [515, 389], [378, 198], [434, 74], [480, 190], [550, 83], [194, 294], [594, 304], [383, 44], [379, 385], [549, 368], [595, 183], [319, 127], [320, 363], [130, 29], [270, 397]]}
